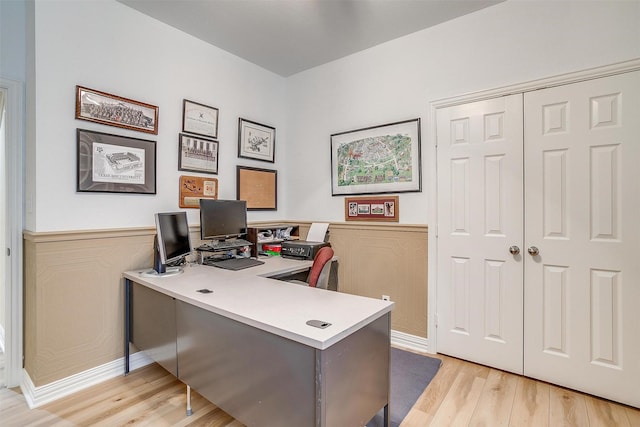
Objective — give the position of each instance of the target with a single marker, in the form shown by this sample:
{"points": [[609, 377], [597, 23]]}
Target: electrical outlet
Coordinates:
{"points": [[386, 298]]}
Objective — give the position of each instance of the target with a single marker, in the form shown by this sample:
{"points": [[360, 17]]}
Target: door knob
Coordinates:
{"points": [[533, 251], [514, 250]]}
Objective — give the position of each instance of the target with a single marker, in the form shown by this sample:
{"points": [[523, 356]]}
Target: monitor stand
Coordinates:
{"points": [[170, 271]]}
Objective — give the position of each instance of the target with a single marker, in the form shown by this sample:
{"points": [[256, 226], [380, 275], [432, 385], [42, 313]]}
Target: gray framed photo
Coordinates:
{"points": [[197, 154], [115, 164], [199, 119], [256, 141], [377, 160], [101, 107]]}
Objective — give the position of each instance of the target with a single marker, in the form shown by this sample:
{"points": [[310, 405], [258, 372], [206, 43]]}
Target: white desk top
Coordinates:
{"points": [[250, 297]]}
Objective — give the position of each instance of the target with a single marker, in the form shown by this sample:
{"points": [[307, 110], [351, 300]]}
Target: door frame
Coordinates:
{"points": [[432, 212], [15, 143]]}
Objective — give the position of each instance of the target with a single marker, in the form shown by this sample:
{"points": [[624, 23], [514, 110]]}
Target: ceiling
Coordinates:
{"points": [[289, 36]]}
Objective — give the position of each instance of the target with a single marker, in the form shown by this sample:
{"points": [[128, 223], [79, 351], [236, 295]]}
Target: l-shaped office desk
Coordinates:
{"points": [[243, 341]]}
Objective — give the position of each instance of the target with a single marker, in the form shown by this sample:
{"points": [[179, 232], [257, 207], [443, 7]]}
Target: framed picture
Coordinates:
{"points": [[197, 154], [258, 187], [101, 107], [115, 164], [379, 159], [372, 208], [194, 188], [199, 119], [256, 141]]}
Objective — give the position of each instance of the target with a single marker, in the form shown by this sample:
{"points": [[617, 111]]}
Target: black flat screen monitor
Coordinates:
{"points": [[172, 239], [222, 219]]}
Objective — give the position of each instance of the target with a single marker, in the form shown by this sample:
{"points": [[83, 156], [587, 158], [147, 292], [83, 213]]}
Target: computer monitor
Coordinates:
{"points": [[172, 242], [222, 219]]}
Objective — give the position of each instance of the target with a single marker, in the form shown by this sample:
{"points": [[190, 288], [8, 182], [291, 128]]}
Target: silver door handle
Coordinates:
{"points": [[514, 250], [533, 251]]}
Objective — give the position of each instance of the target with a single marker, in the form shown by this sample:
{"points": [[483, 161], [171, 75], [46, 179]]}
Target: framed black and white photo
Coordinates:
{"points": [[115, 164], [199, 119], [197, 154], [101, 107], [377, 160], [256, 141]]}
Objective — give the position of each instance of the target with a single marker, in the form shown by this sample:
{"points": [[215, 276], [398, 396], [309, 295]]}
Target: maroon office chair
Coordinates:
{"points": [[324, 271]]}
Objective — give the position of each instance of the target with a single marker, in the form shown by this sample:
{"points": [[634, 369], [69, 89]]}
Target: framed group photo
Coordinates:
{"points": [[197, 154], [377, 160], [101, 107], [199, 119], [115, 164], [256, 141]]}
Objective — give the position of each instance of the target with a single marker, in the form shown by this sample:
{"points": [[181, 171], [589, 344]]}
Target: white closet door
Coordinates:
{"points": [[582, 212], [479, 291]]}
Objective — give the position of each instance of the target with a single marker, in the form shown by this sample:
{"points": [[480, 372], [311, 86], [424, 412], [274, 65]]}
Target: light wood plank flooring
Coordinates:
{"points": [[461, 394]]}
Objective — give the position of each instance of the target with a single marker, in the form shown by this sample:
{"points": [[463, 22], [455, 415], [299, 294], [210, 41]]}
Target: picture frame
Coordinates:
{"points": [[194, 188], [108, 163], [258, 187], [377, 160], [113, 110], [196, 154], [256, 141], [199, 119], [385, 208]]}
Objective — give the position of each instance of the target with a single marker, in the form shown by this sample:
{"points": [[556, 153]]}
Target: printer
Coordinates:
{"points": [[301, 249]]}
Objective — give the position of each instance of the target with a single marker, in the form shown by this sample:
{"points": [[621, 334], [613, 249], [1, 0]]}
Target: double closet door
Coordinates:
{"points": [[539, 234]]}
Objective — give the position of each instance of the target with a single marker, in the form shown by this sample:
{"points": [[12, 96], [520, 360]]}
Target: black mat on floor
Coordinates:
{"points": [[410, 375]]}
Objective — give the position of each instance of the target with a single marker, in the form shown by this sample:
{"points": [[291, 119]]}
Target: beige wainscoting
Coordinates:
{"points": [[74, 299]]}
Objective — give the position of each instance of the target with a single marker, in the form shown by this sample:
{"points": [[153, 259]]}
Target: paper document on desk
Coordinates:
{"points": [[317, 232]]}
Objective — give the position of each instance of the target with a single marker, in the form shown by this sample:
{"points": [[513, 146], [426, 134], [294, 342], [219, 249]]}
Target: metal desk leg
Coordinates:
{"points": [[386, 415], [189, 410], [127, 323]]}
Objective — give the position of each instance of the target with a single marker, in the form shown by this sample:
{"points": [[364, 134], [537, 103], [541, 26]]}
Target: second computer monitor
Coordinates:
{"points": [[222, 219]]}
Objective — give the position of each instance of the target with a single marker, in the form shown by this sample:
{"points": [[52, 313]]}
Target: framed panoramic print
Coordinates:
{"points": [[199, 119], [379, 159], [115, 164], [256, 141], [380, 208], [197, 154], [101, 107], [258, 187]]}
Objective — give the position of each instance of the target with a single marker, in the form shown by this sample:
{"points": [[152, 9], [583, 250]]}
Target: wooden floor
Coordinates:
{"points": [[461, 394]]}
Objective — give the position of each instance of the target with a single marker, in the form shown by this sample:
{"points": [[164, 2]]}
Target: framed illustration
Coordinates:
{"points": [[372, 208], [194, 188], [115, 164], [197, 154], [101, 107], [375, 160], [199, 119], [258, 187], [256, 141]]}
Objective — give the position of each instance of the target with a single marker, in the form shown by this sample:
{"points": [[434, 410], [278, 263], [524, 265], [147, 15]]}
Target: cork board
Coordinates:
{"points": [[258, 187], [194, 188]]}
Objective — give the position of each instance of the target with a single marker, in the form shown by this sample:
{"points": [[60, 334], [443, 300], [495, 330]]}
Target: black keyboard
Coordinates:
{"points": [[235, 263]]}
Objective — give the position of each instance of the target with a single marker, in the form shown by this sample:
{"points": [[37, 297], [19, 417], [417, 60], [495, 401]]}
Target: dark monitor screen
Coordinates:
{"points": [[222, 219], [172, 236]]}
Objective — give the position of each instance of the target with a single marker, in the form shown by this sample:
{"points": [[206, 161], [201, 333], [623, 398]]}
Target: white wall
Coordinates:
{"points": [[110, 47], [511, 42]]}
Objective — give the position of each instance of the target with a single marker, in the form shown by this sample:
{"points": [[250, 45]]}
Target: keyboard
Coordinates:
{"points": [[226, 244], [235, 263]]}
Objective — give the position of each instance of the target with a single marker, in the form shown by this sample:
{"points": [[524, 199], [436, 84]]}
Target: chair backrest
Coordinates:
{"points": [[323, 256]]}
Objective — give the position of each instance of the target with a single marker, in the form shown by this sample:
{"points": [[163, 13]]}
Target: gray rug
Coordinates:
{"points": [[410, 375]]}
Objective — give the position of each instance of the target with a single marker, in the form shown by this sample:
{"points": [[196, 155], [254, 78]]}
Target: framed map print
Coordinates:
{"points": [[379, 159]]}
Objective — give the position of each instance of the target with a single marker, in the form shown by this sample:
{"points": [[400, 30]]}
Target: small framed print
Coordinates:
{"points": [[101, 107], [197, 154], [199, 119], [371, 208], [115, 164], [256, 141]]}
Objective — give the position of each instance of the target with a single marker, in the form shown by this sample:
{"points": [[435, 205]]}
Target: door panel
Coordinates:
{"points": [[480, 216], [582, 197]]}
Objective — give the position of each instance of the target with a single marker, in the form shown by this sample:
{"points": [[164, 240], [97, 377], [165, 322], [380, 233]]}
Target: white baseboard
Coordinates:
{"points": [[38, 396]]}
